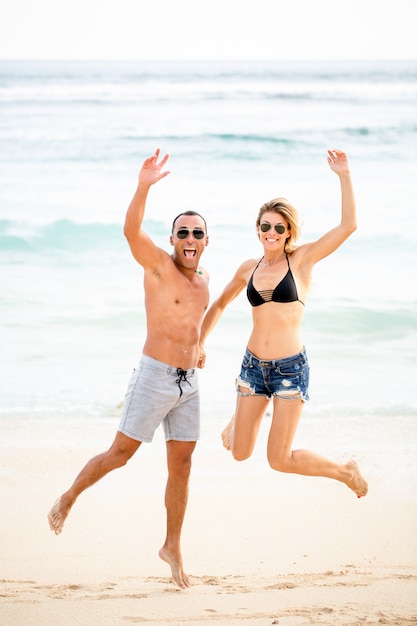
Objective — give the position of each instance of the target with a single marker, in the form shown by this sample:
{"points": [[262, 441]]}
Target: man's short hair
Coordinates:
{"points": [[189, 213]]}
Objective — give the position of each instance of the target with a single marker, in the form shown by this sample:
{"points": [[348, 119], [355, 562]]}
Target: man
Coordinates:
{"points": [[164, 386]]}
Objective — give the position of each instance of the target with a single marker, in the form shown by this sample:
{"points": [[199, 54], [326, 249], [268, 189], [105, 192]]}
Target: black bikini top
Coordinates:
{"points": [[285, 291]]}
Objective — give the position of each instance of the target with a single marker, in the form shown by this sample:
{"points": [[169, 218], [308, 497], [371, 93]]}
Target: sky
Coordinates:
{"points": [[210, 30]]}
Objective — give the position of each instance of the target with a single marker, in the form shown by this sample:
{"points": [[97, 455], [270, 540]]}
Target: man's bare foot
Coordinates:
{"points": [[178, 574], [57, 516], [356, 482], [226, 435]]}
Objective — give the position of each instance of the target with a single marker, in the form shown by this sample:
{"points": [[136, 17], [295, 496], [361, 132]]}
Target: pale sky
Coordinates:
{"points": [[208, 30]]}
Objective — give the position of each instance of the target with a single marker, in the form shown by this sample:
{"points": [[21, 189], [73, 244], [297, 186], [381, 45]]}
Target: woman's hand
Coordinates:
{"points": [[338, 162], [202, 357]]}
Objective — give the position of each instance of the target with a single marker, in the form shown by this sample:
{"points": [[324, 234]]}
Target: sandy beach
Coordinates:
{"points": [[261, 548]]}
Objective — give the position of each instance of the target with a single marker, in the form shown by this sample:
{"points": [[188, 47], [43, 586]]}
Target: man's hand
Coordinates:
{"points": [[151, 170]]}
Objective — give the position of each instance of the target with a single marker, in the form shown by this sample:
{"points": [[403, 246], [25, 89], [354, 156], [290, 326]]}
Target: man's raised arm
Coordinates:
{"points": [[142, 247]]}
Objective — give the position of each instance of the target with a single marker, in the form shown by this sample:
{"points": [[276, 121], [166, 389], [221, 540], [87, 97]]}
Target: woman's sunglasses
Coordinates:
{"points": [[198, 233], [280, 228]]}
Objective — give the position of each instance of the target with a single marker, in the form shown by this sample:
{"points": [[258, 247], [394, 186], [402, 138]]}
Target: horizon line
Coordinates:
{"points": [[211, 60]]}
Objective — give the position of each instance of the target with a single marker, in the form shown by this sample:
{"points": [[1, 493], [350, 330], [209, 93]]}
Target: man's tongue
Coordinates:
{"points": [[189, 254]]}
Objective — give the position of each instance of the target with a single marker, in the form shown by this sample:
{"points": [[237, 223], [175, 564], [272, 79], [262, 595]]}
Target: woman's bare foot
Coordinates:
{"points": [[57, 516], [226, 435], [356, 482], [178, 574]]}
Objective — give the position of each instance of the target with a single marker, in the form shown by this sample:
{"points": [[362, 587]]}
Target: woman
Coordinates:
{"points": [[275, 363]]}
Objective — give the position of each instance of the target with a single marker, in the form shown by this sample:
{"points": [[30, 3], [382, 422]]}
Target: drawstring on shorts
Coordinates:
{"points": [[182, 376]]}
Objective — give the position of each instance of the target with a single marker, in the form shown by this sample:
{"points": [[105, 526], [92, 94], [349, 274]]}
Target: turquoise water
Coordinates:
{"points": [[72, 139]]}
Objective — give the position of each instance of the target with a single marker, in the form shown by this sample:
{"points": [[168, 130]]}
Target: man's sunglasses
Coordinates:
{"points": [[280, 228], [198, 233]]}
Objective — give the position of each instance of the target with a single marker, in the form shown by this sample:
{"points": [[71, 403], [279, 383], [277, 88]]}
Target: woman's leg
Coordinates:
{"points": [[240, 434], [283, 458]]}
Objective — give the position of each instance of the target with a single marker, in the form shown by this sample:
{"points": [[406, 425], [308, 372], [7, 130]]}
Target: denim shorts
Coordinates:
{"points": [[284, 378], [160, 393]]}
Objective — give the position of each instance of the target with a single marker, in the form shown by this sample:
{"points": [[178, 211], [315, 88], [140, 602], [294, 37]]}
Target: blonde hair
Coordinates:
{"points": [[282, 207]]}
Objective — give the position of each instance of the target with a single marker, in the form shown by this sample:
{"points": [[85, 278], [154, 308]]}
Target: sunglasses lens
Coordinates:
{"points": [[280, 228], [183, 233], [265, 227]]}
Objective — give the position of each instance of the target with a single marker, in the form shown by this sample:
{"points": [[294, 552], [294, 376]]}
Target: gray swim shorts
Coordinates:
{"points": [[160, 393]]}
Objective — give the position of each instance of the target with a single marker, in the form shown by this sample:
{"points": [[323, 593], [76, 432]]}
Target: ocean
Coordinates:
{"points": [[73, 136]]}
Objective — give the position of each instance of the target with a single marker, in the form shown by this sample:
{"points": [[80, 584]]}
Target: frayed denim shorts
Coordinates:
{"points": [[161, 394], [282, 378]]}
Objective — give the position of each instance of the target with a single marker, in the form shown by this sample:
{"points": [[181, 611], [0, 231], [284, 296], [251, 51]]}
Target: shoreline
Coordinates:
{"points": [[258, 546]]}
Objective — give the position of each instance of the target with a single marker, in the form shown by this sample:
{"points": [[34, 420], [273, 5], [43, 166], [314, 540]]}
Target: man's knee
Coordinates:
{"points": [[179, 457], [122, 449], [180, 464]]}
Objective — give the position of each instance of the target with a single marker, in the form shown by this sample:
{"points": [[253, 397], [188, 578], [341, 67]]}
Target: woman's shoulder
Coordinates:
{"points": [[301, 262], [248, 266], [244, 271], [299, 253]]}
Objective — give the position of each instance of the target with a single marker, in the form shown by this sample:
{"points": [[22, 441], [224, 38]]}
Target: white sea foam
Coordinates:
{"points": [[73, 137]]}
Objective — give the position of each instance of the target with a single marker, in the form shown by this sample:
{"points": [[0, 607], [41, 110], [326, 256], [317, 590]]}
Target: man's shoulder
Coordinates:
{"points": [[161, 259]]}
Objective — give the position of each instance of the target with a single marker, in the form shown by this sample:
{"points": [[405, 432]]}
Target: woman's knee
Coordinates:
{"points": [[277, 463], [240, 455]]}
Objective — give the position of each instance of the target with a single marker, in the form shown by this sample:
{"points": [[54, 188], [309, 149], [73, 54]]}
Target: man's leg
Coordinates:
{"points": [[122, 449], [176, 495]]}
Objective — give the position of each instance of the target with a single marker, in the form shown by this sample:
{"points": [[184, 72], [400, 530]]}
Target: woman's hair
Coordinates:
{"points": [[282, 207]]}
